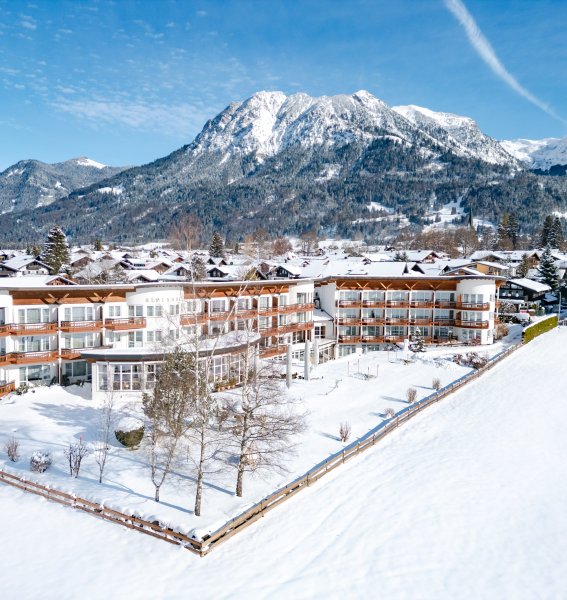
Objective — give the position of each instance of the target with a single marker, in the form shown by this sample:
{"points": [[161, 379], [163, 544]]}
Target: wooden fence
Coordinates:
{"points": [[232, 527]]}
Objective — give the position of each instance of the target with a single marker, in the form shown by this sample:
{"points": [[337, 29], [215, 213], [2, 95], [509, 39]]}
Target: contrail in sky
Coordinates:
{"points": [[486, 52]]}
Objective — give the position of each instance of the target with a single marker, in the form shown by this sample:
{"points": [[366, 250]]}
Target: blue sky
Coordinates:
{"points": [[126, 82]]}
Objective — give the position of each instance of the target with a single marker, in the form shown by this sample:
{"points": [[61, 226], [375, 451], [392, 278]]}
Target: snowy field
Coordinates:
{"points": [[466, 501], [356, 389]]}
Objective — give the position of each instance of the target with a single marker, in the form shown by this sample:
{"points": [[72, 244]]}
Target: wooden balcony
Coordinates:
{"points": [[221, 315], [348, 321], [420, 320], [373, 320], [5, 330], [80, 326], [71, 353], [397, 303], [473, 305], [397, 320], [374, 303], [6, 388], [269, 331], [471, 324], [445, 304], [421, 304], [292, 327], [270, 351], [249, 313], [267, 311], [290, 308], [350, 339], [125, 324], [443, 322], [372, 339], [187, 319], [5, 359], [33, 328], [24, 358], [349, 303]]}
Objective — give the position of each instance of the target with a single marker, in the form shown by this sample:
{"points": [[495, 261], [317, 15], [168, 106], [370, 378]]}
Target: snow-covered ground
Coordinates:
{"points": [[356, 389], [466, 501]]}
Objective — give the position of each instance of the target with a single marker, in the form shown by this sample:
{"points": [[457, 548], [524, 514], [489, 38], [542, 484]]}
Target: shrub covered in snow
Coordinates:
{"points": [[436, 384], [390, 413], [23, 388], [129, 432], [471, 359], [411, 395], [40, 461]]}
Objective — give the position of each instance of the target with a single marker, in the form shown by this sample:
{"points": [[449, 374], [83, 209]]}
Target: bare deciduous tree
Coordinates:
{"points": [[436, 384], [186, 233], [344, 431], [12, 449], [411, 395], [262, 424], [104, 429], [390, 413], [75, 454]]}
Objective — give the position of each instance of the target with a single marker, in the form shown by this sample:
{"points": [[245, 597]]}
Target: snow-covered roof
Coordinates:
{"points": [[31, 281], [530, 284], [19, 262]]}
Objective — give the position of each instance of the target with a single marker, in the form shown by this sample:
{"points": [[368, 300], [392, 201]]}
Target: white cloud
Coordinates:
{"points": [[172, 120], [485, 50]]}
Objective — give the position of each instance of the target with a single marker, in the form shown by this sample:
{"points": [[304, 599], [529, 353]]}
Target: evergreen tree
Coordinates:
{"points": [[401, 256], [417, 343], [548, 271], [513, 229], [524, 266], [548, 235], [98, 245], [56, 250], [216, 248], [558, 232], [198, 268]]}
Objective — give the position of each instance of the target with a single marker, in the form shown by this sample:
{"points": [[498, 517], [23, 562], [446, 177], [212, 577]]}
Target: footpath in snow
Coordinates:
{"points": [[466, 501]]}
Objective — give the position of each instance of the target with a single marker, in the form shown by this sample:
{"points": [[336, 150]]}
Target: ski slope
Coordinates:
{"points": [[467, 501]]}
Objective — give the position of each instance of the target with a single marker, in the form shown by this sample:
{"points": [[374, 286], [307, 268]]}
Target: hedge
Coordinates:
{"points": [[533, 331]]}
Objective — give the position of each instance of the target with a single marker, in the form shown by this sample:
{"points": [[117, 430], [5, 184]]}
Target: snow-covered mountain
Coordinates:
{"points": [[30, 183], [538, 154], [288, 164], [460, 134]]}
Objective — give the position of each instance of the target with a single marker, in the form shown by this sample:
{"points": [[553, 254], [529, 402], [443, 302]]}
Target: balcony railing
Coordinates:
{"points": [[420, 320], [397, 303], [268, 310], [421, 304], [71, 353], [374, 303], [474, 305], [246, 313], [80, 326], [188, 319], [22, 358], [125, 324], [220, 315], [5, 359], [32, 328], [372, 320], [350, 303], [350, 339], [292, 327], [471, 324], [269, 351], [8, 387], [287, 308], [269, 331], [5, 330], [372, 339], [445, 304], [348, 320], [443, 321]]}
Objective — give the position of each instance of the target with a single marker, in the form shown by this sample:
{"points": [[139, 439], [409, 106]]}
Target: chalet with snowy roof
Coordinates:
{"points": [[23, 265], [524, 290]]}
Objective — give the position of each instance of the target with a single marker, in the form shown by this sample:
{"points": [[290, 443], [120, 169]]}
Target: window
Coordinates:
{"points": [[77, 368], [135, 339], [79, 341], [35, 373], [33, 344], [79, 313], [319, 331], [265, 301], [150, 311], [127, 377], [218, 306], [114, 311], [136, 310], [33, 315], [153, 336]]}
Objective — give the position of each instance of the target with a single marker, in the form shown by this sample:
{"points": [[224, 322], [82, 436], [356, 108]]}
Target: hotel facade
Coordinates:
{"points": [[115, 336]]}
